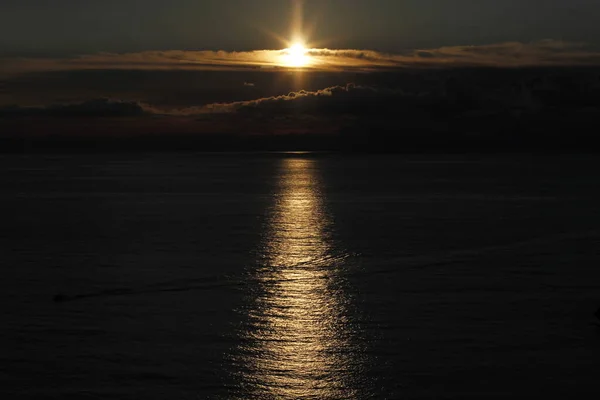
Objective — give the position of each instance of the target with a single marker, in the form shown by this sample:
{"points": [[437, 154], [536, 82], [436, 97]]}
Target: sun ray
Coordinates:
{"points": [[297, 20]]}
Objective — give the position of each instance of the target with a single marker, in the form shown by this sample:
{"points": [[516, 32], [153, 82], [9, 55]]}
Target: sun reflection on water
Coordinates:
{"points": [[299, 342]]}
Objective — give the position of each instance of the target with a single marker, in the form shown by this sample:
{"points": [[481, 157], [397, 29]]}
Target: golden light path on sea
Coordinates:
{"points": [[299, 342]]}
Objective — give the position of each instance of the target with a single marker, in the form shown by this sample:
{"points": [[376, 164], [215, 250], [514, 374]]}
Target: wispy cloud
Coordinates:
{"points": [[511, 54], [153, 60]]}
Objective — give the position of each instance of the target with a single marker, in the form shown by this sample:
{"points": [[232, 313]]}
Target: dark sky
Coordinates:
{"points": [[76, 26]]}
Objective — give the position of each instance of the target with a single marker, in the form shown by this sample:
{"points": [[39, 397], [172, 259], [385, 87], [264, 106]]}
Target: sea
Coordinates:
{"points": [[299, 276]]}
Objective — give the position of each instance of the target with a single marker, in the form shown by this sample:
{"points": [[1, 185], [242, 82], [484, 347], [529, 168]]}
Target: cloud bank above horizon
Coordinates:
{"points": [[502, 55]]}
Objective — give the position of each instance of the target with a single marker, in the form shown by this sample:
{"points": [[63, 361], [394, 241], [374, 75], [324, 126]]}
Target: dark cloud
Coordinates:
{"points": [[420, 109], [424, 54], [416, 94], [90, 108], [428, 95]]}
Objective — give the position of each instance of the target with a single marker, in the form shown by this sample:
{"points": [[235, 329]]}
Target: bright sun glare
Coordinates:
{"points": [[296, 56]]}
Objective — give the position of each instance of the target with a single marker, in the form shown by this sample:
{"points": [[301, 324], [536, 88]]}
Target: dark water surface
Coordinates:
{"points": [[288, 276]]}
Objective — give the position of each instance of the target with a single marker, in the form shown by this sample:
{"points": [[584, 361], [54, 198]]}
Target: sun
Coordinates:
{"points": [[296, 56]]}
